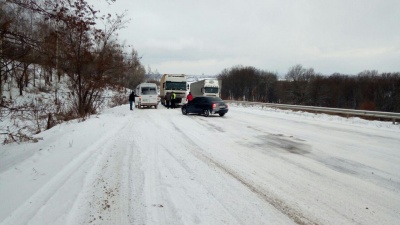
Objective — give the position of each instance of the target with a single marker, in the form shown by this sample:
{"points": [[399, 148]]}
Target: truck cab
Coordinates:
{"points": [[176, 83], [206, 87]]}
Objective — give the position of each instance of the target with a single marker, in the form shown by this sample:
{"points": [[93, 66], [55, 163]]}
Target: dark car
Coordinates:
{"points": [[205, 105]]}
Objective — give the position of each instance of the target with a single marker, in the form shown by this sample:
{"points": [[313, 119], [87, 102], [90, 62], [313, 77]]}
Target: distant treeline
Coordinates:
{"points": [[368, 90]]}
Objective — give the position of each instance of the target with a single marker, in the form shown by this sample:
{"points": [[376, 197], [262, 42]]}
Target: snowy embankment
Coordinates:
{"points": [[253, 166]]}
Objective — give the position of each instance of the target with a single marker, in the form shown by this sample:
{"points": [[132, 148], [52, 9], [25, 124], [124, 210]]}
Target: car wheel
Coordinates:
{"points": [[221, 114], [184, 111], [206, 112]]}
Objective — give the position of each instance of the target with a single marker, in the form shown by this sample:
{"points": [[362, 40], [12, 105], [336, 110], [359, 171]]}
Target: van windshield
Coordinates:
{"points": [[149, 91]]}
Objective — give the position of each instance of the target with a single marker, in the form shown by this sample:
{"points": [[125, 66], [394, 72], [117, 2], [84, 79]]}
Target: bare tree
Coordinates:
{"points": [[135, 73], [299, 78]]}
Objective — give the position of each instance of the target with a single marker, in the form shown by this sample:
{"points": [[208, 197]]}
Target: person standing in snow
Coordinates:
{"points": [[189, 97], [173, 99], [132, 100], [168, 100]]}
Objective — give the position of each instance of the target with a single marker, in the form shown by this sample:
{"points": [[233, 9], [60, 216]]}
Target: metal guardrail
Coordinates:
{"points": [[347, 112]]}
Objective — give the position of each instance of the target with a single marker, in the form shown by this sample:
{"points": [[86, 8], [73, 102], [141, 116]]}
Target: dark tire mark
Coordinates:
{"points": [[279, 204]]}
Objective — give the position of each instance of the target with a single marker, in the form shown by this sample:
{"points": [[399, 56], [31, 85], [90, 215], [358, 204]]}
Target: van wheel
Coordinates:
{"points": [[221, 114], [206, 112]]}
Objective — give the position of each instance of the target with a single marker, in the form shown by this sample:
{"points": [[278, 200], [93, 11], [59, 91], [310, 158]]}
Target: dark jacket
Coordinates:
{"points": [[132, 97], [168, 96]]}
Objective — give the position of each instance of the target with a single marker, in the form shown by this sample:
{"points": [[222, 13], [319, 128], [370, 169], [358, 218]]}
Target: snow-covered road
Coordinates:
{"points": [[157, 166]]}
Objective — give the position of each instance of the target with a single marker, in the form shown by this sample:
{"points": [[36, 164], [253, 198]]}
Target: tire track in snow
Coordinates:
{"points": [[156, 202], [177, 183], [279, 204], [107, 192], [47, 196]]}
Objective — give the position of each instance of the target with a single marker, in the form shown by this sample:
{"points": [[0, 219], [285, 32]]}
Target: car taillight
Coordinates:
{"points": [[214, 105]]}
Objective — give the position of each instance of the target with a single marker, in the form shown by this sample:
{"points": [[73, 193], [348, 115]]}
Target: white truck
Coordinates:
{"points": [[147, 95], [206, 87], [174, 83]]}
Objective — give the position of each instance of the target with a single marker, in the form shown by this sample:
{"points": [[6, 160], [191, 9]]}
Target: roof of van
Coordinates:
{"points": [[147, 84]]}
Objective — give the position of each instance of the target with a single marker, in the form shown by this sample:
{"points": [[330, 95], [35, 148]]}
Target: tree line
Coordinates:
{"points": [[62, 38], [368, 90]]}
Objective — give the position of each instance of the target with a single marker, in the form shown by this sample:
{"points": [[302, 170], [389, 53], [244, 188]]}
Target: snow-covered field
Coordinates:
{"points": [[157, 166]]}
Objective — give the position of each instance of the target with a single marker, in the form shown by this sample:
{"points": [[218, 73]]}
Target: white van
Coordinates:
{"points": [[147, 95]]}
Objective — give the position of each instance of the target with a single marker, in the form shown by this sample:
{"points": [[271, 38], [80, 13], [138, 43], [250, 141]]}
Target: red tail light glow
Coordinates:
{"points": [[214, 105]]}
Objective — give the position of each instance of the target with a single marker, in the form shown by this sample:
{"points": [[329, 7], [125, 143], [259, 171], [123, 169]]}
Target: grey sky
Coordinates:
{"points": [[207, 36]]}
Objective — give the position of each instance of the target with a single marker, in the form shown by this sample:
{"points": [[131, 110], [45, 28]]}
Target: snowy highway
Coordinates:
{"points": [[252, 166]]}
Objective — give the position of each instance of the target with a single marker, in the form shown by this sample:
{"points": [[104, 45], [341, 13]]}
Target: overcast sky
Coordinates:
{"points": [[207, 36]]}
